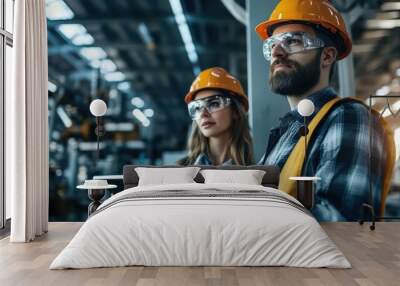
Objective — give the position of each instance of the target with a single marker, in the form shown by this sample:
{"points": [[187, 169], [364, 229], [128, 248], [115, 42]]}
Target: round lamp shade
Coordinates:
{"points": [[98, 107], [305, 107]]}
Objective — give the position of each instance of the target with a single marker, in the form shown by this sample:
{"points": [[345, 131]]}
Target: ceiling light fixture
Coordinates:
{"points": [[145, 34], [58, 10], [382, 24], [185, 34], [51, 86], [384, 90], [93, 53], [390, 6], [124, 86], [64, 117], [76, 33], [138, 102], [149, 112], [141, 117], [114, 76]]}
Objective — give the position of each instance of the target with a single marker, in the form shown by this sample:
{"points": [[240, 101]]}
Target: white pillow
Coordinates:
{"points": [[248, 177], [164, 176]]}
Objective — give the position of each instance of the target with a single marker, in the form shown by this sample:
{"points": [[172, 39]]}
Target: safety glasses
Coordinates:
{"points": [[291, 42], [211, 104]]}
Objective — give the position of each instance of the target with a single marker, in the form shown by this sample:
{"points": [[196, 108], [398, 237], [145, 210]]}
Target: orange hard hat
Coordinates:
{"points": [[317, 12], [217, 78]]}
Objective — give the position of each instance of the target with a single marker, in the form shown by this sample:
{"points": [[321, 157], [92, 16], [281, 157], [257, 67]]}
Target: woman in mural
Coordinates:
{"points": [[220, 131]]}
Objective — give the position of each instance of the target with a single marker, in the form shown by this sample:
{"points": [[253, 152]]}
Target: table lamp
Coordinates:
{"points": [[98, 108], [305, 108], [305, 185]]}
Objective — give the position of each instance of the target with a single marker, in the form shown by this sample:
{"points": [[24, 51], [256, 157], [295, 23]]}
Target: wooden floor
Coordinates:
{"points": [[375, 256]]}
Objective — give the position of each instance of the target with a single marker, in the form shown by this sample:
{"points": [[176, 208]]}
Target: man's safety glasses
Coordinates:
{"points": [[211, 104], [291, 42]]}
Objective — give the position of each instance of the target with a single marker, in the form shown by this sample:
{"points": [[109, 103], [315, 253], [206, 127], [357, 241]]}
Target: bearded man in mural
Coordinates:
{"points": [[303, 39]]}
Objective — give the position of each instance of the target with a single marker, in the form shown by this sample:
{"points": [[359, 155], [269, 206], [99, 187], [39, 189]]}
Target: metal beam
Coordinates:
{"points": [[131, 74], [346, 67], [134, 46], [154, 18], [265, 107], [71, 60], [203, 34], [380, 55]]}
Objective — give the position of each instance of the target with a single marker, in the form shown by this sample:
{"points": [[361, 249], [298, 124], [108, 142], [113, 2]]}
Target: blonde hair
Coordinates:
{"points": [[240, 150]]}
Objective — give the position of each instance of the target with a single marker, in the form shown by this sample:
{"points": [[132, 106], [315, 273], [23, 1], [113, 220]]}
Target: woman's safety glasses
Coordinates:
{"points": [[291, 42], [211, 104]]}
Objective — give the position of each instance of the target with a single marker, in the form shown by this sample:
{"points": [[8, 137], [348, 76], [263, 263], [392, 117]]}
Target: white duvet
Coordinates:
{"points": [[208, 230]]}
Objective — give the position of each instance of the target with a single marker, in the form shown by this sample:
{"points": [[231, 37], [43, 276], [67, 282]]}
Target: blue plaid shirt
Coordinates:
{"points": [[203, 159], [338, 153]]}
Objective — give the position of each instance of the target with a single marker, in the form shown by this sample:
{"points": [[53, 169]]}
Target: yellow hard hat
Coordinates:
{"points": [[317, 12], [217, 78]]}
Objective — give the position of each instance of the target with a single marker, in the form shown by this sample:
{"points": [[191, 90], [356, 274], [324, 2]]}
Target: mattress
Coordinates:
{"points": [[201, 225]]}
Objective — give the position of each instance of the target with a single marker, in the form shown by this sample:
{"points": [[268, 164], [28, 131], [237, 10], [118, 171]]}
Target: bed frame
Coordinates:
{"points": [[271, 177], [131, 179]]}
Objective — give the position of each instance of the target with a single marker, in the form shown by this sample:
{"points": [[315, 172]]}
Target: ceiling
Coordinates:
{"points": [[146, 54], [144, 43], [376, 36]]}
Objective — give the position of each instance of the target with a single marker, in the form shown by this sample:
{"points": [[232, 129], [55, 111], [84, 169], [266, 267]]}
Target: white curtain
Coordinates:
{"points": [[26, 124]]}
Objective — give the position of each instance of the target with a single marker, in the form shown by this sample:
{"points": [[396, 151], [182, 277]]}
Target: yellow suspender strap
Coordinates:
{"points": [[390, 148], [295, 162]]}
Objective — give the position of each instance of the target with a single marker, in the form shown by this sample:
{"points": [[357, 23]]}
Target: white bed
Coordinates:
{"points": [[201, 225]]}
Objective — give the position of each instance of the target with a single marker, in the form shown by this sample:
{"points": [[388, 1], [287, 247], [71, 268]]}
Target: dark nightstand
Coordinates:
{"points": [[305, 190], [96, 190]]}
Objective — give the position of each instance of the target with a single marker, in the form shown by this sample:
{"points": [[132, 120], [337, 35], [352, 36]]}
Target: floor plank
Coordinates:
{"points": [[374, 255]]}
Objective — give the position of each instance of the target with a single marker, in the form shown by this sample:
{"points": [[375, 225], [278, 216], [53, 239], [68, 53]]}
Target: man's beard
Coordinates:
{"points": [[298, 80]]}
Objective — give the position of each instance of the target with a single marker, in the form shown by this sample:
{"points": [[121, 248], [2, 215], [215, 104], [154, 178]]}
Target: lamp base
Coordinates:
{"points": [[100, 130], [95, 195], [306, 190], [305, 193]]}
